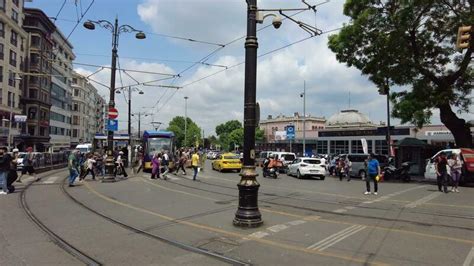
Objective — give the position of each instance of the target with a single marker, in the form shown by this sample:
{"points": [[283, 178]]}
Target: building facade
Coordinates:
{"points": [[12, 54], [61, 93], [36, 85], [87, 111]]}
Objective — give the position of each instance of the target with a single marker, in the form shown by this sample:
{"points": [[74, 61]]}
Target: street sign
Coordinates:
{"points": [[112, 125], [113, 113], [290, 132]]}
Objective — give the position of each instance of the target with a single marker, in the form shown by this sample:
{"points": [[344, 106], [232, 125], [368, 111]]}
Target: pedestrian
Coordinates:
{"points": [[90, 162], [347, 168], [373, 169], [341, 165], [195, 163], [165, 160], [13, 174], [455, 163], [73, 166], [182, 161], [99, 164], [5, 160], [119, 165], [155, 163], [139, 160], [441, 163], [28, 165]]}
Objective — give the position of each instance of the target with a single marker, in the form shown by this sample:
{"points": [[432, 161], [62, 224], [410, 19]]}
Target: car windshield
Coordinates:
{"points": [[289, 157], [231, 157], [312, 161]]}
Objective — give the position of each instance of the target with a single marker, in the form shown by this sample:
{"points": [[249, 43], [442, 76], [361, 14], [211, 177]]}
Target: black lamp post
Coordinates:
{"points": [[248, 214], [116, 30]]}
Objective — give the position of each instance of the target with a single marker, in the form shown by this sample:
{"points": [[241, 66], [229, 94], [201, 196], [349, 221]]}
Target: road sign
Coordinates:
{"points": [[112, 125], [290, 132], [113, 113]]}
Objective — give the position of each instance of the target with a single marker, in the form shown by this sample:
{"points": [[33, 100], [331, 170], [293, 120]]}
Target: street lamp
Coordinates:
{"points": [[116, 30], [385, 90], [303, 95], [248, 214], [185, 119]]}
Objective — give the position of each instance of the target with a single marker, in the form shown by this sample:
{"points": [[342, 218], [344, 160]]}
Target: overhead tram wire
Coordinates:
{"points": [[264, 54], [185, 39], [129, 70], [59, 12]]}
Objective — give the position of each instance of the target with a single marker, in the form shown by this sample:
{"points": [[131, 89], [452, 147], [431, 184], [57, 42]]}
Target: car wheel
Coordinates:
{"points": [[322, 177], [298, 174], [362, 174]]}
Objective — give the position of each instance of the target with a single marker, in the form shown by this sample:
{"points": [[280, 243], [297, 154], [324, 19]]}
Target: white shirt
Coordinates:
{"points": [[90, 163]]}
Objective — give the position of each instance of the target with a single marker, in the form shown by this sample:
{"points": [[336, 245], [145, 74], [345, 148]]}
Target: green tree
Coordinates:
{"points": [[411, 44], [259, 134], [193, 132], [228, 127], [236, 137]]}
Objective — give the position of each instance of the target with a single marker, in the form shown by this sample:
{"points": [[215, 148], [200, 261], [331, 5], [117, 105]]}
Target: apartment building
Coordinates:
{"points": [[61, 93], [87, 111], [36, 83], [12, 53]]}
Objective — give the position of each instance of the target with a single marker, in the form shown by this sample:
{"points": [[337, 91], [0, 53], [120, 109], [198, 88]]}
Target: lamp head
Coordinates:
{"points": [[301, 95], [276, 22], [117, 91], [140, 92], [89, 25], [140, 35]]}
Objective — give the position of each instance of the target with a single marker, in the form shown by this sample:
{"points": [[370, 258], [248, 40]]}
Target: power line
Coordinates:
{"points": [[185, 39], [129, 70], [60, 9]]}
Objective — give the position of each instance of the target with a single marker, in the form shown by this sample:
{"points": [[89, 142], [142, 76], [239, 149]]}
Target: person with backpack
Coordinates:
{"points": [[373, 169], [28, 165], [455, 163], [73, 166]]}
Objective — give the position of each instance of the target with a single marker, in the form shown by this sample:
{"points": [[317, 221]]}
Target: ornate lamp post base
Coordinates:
{"points": [[247, 214], [109, 170]]}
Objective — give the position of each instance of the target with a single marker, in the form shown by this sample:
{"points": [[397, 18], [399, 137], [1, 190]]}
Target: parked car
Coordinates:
{"points": [[306, 166], [227, 161]]}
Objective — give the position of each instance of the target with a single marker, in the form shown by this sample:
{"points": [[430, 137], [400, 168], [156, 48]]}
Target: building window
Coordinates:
{"points": [[15, 15], [74, 133], [1, 75], [339, 146], [76, 92], [2, 28], [2, 5], [381, 147], [33, 93], [43, 131], [22, 44], [14, 38], [11, 78], [12, 58], [1, 51], [322, 147], [35, 41], [76, 107], [31, 130]]}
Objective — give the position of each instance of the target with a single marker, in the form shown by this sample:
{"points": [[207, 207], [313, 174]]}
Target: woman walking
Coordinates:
{"points": [[455, 163], [155, 162]]}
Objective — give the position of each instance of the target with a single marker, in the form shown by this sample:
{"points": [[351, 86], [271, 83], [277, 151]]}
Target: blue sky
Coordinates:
{"points": [[218, 98]]}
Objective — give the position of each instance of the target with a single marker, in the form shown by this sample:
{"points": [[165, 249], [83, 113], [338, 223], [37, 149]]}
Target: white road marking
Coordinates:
{"points": [[423, 200], [341, 238], [350, 207], [340, 210], [333, 236], [259, 234], [52, 180], [297, 222], [470, 258], [277, 228]]}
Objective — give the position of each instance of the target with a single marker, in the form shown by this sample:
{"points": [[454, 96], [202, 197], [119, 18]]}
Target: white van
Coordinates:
{"points": [[284, 157], [84, 148]]}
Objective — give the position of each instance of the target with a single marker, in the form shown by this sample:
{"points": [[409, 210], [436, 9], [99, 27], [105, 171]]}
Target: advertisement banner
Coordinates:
{"points": [[365, 147]]}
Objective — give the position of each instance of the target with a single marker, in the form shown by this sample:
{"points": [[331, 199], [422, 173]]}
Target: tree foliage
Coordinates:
{"points": [[193, 132], [412, 44]]}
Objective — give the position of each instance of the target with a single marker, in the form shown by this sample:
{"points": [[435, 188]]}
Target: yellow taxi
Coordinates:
{"points": [[227, 161]]}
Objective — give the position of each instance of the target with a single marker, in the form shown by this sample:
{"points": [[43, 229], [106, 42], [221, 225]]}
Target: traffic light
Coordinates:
{"points": [[464, 36]]}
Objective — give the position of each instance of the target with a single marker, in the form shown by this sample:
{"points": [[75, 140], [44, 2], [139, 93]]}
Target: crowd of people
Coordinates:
{"points": [[161, 162]]}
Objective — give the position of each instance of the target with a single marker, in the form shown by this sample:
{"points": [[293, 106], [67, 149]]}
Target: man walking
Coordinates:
{"points": [[165, 162], [73, 166], [5, 160], [442, 172], [373, 169], [195, 163], [28, 165]]}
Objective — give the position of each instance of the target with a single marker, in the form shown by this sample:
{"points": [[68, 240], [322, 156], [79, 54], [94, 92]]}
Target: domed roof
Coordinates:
{"points": [[348, 118]]}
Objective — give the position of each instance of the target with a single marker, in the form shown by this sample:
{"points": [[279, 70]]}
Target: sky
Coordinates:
{"points": [[212, 76]]}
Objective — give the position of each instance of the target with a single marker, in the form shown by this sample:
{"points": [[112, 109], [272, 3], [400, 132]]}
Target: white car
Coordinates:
{"points": [[306, 166]]}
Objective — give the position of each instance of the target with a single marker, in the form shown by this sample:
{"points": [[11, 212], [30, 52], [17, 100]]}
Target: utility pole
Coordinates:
{"points": [[304, 117], [185, 119]]}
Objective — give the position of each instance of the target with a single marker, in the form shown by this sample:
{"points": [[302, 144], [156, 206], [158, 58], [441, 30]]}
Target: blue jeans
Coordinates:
{"points": [[195, 172], [73, 174], [4, 180]]}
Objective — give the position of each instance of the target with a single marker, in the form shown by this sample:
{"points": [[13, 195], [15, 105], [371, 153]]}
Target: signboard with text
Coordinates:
{"points": [[290, 132]]}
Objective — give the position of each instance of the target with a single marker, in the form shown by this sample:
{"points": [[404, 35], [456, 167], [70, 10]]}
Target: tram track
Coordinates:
{"points": [[56, 239], [345, 203], [169, 241]]}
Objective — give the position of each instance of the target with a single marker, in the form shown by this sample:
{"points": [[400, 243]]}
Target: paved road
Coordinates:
{"points": [[306, 221]]}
